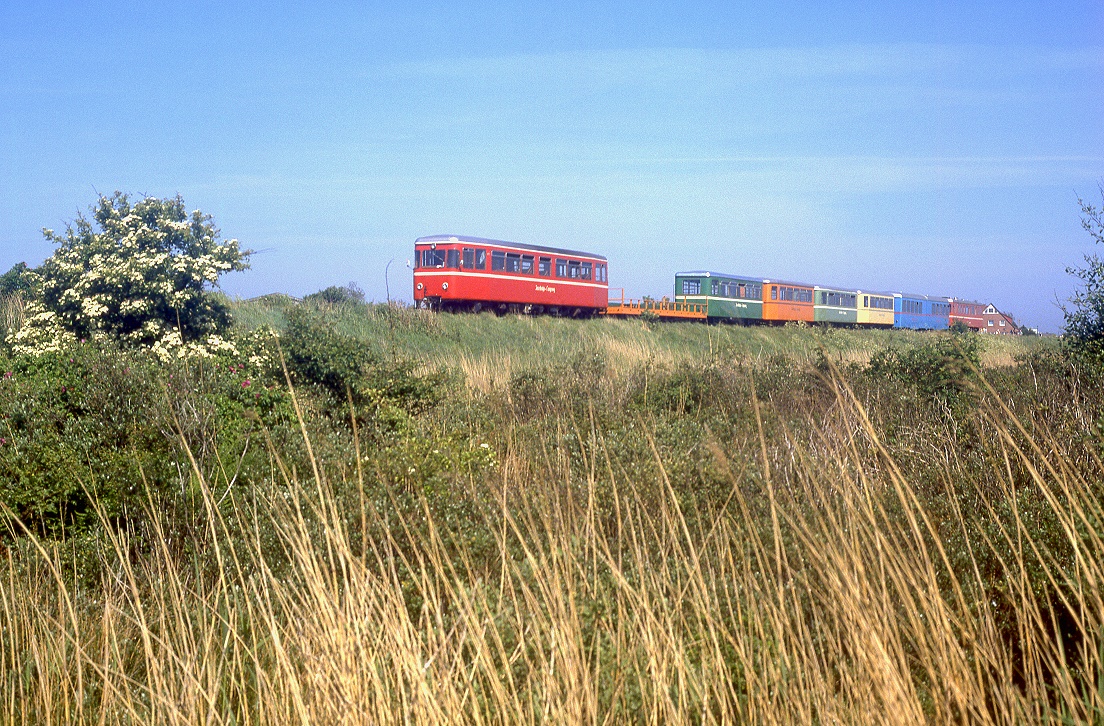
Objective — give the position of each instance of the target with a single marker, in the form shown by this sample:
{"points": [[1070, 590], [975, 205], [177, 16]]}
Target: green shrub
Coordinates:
{"points": [[944, 367], [338, 365], [338, 295]]}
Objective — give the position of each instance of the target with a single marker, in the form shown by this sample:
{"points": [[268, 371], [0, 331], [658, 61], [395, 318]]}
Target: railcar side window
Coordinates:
{"points": [[573, 270], [691, 287], [774, 292], [453, 259], [527, 264], [481, 259], [561, 268], [601, 273], [544, 266], [433, 258], [469, 258], [498, 260], [513, 262]]}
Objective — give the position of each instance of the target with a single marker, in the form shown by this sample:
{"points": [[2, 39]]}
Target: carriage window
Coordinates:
{"points": [[586, 270], [774, 292], [469, 258], [527, 264], [604, 273], [453, 259], [513, 262], [498, 260], [544, 266], [691, 287], [573, 270], [481, 259], [433, 258], [803, 295], [561, 268]]}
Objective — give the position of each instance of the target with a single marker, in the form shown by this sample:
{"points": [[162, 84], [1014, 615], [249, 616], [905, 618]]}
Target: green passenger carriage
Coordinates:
{"points": [[726, 297], [831, 305]]}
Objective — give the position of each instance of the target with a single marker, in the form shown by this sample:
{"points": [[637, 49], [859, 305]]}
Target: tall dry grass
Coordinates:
{"points": [[818, 592], [11, 313]]}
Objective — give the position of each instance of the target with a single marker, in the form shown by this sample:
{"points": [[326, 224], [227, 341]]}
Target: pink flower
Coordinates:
{"points": [[245, 383], [3, 441], [8, 374]]}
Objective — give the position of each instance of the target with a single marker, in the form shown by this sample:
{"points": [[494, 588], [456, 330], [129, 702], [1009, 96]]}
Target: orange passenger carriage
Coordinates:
{"points": [[472, 273], [787, 301]]}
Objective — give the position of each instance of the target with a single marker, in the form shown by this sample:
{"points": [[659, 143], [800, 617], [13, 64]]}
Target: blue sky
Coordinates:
{"points": [[935, 148]]}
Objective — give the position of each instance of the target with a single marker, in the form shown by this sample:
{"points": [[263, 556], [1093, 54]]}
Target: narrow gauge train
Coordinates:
{"points": [[471, 273], [742, 299]]}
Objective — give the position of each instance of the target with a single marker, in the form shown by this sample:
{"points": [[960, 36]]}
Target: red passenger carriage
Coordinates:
{"points": [[968, 312], [471, 273]]}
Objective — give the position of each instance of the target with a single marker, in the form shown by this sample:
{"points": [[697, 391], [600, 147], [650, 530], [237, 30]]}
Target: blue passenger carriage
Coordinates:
{"points": [[920, 312]]}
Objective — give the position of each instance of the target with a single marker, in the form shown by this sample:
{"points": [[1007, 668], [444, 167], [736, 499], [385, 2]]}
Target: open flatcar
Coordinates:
{"points": [[472, 273]]}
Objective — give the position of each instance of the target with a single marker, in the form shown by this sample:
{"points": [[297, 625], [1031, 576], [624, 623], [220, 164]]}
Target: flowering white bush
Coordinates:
{"points": [[136, 274]]}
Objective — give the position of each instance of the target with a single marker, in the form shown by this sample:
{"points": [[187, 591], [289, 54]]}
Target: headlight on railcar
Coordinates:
{"points": [[444, 285], [420, 286]]}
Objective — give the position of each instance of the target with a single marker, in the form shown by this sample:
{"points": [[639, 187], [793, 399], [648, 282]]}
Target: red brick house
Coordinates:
{"points": [[997, 323]]}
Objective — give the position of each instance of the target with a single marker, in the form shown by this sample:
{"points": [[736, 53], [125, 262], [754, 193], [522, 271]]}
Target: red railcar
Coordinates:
{"points": [[471, 273]]}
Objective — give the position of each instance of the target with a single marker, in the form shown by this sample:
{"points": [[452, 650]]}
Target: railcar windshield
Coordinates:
{"points": [[433, 258]]}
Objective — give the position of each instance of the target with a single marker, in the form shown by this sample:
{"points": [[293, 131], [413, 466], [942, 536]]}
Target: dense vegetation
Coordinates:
{"points": [[517, 519]]}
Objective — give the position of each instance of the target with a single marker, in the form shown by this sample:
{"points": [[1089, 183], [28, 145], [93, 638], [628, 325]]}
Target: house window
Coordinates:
{"points": [[990, 323]]}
